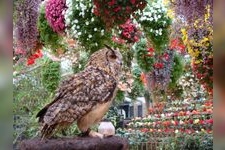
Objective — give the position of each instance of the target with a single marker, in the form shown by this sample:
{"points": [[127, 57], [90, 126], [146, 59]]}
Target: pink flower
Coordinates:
{"points": [[118, 40], [54, 14]]}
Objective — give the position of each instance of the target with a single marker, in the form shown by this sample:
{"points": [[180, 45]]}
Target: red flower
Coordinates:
{"points": [[106, 12], [96, 12], [128, 9], [151, 50], [133, 1], [32, 58], [174, 44], [191, 121], [30, 61], [39, 53], [158, 65], [181, 48], [209, 121], [111, 3], [126, 35], [117, 9], [166, 56]]}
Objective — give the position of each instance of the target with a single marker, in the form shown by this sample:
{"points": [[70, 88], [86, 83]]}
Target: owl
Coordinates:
{"points": [[84, 97]]}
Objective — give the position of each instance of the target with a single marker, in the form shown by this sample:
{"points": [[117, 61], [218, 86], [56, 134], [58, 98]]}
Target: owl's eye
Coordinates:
{"points": [[112, 56]]}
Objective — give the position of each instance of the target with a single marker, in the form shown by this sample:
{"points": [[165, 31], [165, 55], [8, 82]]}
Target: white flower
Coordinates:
{"points": [[89, 36], [75, 21], [67, 21], [95, 29], [79, 33], [157, 6], [102, 32], [82, 6], [150, 18], [96, 44], [155, 16], [77, 7], [92, 19], [159, 16], [78, 27], [81, 13], [92, 10], [87, 23]]}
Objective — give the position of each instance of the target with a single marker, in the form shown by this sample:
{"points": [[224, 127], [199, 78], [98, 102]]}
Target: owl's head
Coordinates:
{"points": [[107, 59]]}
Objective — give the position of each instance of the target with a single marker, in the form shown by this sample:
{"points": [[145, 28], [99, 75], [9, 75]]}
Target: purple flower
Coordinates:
{"points": [[26, 25]]}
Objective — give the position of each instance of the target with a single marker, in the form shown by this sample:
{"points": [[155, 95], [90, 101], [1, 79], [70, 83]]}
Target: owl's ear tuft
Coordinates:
{"points": [[107, 46], [112, 54]]}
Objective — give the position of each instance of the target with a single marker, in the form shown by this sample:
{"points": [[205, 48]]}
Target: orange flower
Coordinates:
{"points": [[143, 78]]}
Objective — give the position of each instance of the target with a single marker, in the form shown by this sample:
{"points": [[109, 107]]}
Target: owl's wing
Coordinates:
{"points": [[77, 95]]}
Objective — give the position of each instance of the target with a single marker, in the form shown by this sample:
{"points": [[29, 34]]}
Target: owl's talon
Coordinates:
{"points": [[96, 134], [107, 136]]}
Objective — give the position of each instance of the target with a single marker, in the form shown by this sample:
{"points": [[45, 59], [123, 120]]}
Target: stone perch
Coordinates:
{"points": [[77, 143]]}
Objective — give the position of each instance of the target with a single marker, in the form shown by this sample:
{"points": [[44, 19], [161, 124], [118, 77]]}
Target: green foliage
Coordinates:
{"points": [[135, 138], [156, 30], [144, 61], [29, 97], [50, 75], [177, 71], [47, 36], [113, 116], [82, 61], [137, 87], [88, 28], [206, 142], [201, 141], [120, 96], [128, 55]]}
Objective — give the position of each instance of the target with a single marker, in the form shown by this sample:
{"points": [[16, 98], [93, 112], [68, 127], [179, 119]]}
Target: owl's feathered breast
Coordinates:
{"points": [[78, 94]]}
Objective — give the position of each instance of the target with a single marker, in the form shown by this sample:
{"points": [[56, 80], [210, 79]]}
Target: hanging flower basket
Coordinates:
{"points": [[55, 10], [117, 12]]}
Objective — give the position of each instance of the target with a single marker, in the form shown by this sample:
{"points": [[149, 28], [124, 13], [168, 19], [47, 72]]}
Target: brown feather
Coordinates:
{"points": [[47, 130]]}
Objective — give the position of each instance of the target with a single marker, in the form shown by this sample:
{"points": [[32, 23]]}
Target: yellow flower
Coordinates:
{"points": [[184, 32], [170, 13], [197, 61], [196, 121], [205, 39]]}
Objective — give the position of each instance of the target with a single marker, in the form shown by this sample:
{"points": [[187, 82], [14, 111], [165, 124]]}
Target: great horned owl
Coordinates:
{"points": [[86, 96]]}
